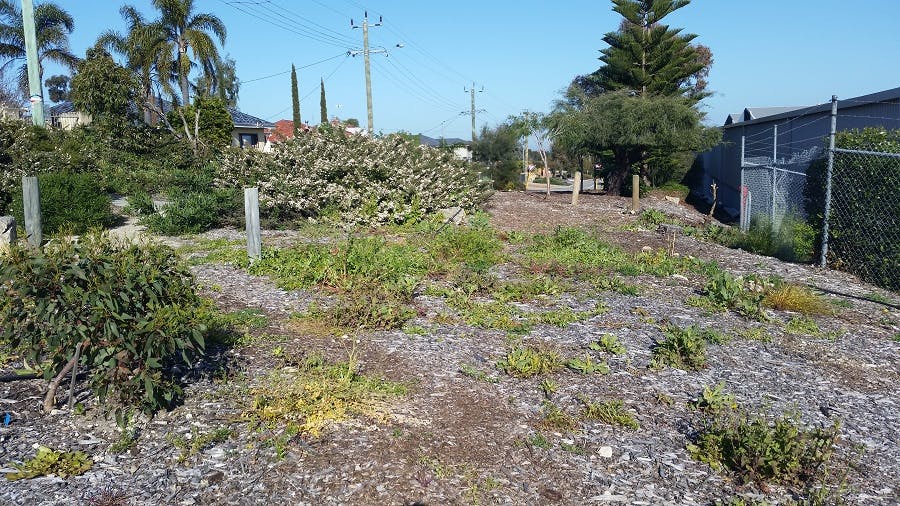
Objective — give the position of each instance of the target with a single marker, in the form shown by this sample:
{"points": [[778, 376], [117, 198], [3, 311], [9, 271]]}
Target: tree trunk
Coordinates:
{"points": [[615, 180], [183, 70]]}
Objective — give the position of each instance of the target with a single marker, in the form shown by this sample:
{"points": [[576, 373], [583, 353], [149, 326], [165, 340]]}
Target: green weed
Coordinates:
{"points": [[715, 400], [610, 412], [609, 344], [616, 284], [46, 462], [683, 348], [557, 419], [539, 441], [528, 361], [587, 365], [549, 387], [758, 450], [316, 395], [538, 286], [801, 325], [199, 442]]}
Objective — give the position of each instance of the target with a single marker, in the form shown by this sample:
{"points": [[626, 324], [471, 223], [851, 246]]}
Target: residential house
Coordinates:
{"points": [[249, 131], [790, 137], [461, 149]]}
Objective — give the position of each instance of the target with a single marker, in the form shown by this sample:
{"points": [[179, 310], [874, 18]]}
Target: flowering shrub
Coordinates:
{"points": [[361, 180]]}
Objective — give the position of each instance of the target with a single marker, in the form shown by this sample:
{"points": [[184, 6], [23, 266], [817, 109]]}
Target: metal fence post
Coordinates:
{"points": [[774, 174], [745, 208], [31, 203], [828, 175]]}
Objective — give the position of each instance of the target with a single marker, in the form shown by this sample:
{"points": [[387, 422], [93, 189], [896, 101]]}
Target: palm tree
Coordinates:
{"points": [[52, 26], [145, 50], [185, 31]]}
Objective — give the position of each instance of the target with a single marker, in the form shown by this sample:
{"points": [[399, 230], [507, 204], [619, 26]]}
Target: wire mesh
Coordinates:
{"points": [[864, 221]]}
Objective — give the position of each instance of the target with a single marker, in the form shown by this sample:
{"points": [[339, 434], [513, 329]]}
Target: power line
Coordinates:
{"points": [[277, 22], [288, 71]]}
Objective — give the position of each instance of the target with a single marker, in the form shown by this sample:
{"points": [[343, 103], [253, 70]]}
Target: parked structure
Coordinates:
{"points": [[788, 138]]}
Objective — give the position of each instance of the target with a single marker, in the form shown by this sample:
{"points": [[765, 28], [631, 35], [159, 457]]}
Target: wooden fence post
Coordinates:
{"points": [[251, 218], [576, 188], [31, 202]]}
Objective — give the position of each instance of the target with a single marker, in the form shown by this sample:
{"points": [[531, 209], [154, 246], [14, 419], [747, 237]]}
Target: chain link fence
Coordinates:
{"points": [[863, 232], [857, 189]]}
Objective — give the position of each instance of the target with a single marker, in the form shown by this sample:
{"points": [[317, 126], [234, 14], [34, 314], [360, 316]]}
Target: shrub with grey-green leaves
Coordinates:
{"points": [[134, 310], [355, 178]]}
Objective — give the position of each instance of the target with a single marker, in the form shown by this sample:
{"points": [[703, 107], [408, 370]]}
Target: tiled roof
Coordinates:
{"points": [[242, 119]]}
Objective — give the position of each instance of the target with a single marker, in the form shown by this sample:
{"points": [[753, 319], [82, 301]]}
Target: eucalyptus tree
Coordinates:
{"points": [[52, 24]]}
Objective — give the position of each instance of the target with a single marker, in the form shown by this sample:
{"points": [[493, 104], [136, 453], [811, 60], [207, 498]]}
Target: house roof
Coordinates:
{"points": [[451, 141], [240, 119]]}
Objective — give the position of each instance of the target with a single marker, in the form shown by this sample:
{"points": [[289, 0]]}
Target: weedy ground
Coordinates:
{"points": [[515, 361]]}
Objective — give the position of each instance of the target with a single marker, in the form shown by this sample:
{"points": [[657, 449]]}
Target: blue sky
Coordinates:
{"points": [[524, 53]]}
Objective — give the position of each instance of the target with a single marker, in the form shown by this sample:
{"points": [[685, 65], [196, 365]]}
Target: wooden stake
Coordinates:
{"points": [[576, 188]]}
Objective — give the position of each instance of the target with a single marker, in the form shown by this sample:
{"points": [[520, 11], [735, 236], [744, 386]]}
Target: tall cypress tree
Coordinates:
{"points": [[646, 56], [323, 108], [295, 97]]}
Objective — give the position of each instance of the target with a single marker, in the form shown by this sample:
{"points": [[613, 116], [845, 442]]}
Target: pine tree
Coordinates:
{"points": [[295, 97], [323, 108], [648, 57]]}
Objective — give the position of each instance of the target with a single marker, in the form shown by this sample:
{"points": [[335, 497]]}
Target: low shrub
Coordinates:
{"points": [[758, 450], [362, 180], [683, 348], [743, 295], [132, 309], [192, 213], [793, 241], [70, 202]]}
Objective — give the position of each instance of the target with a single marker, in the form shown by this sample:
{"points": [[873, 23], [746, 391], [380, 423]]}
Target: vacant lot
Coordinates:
{"points": [[558, 355]]}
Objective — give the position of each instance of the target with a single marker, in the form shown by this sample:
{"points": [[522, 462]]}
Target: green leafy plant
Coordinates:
{"points": [[549, 387], [191, 213], [715, 400], [47, 461], [611, 412], [616, 284], [528, 361], [557, 419], [72, 203], [199, 442], [756, 449], [609, 344], [683, 348], [539, 441], [739, 294], [131, 310], [587, 365]]}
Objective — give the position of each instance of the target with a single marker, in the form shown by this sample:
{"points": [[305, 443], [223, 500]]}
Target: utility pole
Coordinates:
{"points": [[472, 91], [365, 52], [34, 71], [472, 113]]}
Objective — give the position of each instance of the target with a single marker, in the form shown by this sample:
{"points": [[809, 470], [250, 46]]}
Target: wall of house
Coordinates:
{"points": [[238, 130], [70, 120], [801, 139]]}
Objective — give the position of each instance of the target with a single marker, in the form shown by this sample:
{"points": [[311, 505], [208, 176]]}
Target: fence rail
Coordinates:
{"points": [[853, 199]]}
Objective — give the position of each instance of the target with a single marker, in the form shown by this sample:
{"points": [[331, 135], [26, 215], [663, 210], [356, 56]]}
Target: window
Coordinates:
{"points": [[249, 140]]}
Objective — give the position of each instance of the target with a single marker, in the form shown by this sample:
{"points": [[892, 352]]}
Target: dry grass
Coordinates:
{"points": [[796, 298]]}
